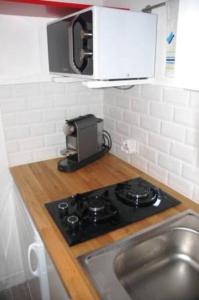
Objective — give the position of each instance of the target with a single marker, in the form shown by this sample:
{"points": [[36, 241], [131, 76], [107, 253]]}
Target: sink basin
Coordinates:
{"points": [[159, 263]]}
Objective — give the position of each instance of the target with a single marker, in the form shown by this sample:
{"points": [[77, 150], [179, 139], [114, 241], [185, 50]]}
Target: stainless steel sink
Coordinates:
{"points": [[159, 263]]}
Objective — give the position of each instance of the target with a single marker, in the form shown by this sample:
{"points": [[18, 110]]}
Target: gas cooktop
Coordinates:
{"points": [[88, 215]]}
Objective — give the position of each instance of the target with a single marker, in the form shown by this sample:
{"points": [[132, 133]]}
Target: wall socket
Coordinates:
{"points": [[129, 146]]}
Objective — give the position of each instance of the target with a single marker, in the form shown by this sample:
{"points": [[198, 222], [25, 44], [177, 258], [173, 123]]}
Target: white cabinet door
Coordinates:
{"points": [[43, 280], [23, 48]]}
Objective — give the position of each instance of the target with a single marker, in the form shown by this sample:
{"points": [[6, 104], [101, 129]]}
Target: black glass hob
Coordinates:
{"points": [[84, 216]]}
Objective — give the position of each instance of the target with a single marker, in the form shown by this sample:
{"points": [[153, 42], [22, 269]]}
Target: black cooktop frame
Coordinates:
{"points": [[127, 214]]}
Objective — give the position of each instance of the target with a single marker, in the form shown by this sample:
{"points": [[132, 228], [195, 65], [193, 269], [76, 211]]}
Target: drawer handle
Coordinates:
{"points": [[34, 247]]}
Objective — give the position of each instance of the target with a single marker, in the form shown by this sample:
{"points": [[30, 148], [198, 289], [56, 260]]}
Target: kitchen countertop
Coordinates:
{"points": [[41, 182]]}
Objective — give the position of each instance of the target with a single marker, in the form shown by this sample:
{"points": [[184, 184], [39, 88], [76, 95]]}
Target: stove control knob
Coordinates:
{"points": [[73, 222], [63, 208]]}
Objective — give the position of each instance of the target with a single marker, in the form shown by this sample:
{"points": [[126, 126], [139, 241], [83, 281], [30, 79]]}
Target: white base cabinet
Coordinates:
{"points": [[43, 280]]}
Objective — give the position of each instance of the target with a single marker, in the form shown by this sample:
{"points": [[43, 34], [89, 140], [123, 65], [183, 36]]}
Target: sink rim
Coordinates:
{"points": [[118, 244], [114, 249]]}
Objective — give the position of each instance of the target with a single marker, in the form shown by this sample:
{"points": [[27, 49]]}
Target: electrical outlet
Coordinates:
{"points": [[129, 146]]}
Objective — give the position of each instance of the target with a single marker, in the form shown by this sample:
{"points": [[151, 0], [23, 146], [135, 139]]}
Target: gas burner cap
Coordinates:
{"points": [[139, 192], [96, 204], [136, 194]]}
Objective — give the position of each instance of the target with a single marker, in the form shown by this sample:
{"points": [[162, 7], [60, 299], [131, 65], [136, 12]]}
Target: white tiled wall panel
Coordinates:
{"points": [[165, 123], [34, 115]]}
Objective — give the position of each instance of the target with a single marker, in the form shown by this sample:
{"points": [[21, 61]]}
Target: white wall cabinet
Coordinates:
{"points": [[40, 273], [23, 49], [184, 21]]}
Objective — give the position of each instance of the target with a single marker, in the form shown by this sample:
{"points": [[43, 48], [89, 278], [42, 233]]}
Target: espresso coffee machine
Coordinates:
{"points": [[86, 141]]}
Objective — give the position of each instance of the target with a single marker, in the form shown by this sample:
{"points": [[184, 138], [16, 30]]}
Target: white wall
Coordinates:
{"points": [[165, 123], [34, 115]]}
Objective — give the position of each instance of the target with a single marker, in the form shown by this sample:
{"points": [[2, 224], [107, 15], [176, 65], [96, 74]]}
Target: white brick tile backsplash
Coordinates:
{"points": [[190, 173], [176, 96], [169, 163], [54, 114], [5, 93], [121, 154], [141, 106], [17, 133], [195, 195], [39, 102], [139, 162], [58, 126], [12, 146], [139, 134], [23, 90], [170, 129], [173, 131], [31, 143], [54, 139], [123, 128], [134, 92], [34, 113], [75, 111], [106, 111], [157, 172], [188, 117], [95, 109], [44, 154], [182, 186], [194, 99], [19, 158], [123, 102], [115, 113], [49, 88], [43, 129], [131, 117], [116, 138], [159, 143], [150, 123], [9, 120], [149, 92], [147, 153], [64, 100], [109, 124], [192, 137], [183, 152], [33, 116], [162, 111], [14, 106], [29, 117]]}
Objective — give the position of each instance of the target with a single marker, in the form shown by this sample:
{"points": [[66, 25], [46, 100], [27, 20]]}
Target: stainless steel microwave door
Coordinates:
{"points": [[70, 45]]}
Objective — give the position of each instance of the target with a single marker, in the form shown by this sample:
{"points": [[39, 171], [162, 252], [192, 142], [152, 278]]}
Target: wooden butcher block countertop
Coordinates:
{"points": [[41, 182]]}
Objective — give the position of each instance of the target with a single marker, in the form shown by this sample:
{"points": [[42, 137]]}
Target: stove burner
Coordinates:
{"points": [[96, 204], [99, 209], [136, 194]]}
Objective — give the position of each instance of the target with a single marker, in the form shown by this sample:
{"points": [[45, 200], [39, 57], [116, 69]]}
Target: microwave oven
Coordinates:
{"points": [[103, 43]]}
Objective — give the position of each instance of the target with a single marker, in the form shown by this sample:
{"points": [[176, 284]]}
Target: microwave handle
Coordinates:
{"points": [[71, 49], [84, 54]]}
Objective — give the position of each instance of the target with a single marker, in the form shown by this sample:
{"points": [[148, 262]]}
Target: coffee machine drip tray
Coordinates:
{"points": [[84, 216], [70, 165]]}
